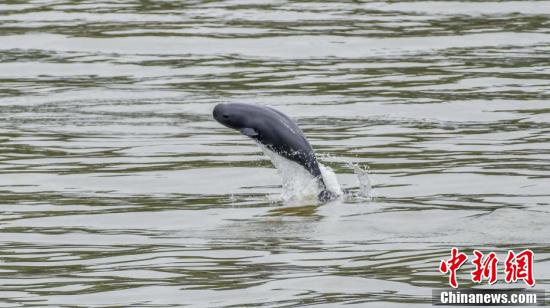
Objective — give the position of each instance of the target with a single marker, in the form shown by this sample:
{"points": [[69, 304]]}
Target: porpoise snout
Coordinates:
{"points": [[217, 113]]}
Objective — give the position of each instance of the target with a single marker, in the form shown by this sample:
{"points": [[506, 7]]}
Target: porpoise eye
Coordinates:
{"points": [[225, 116]]}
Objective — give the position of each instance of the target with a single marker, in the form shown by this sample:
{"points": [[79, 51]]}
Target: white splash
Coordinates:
{"points": [[365, 190], [365, 185], [298, 184]]}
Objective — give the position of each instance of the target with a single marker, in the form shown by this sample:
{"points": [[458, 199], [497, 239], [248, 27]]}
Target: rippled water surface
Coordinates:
{"points": [[118, 188]]}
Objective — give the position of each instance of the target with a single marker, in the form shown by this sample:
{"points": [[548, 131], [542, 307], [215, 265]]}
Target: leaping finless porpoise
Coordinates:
{"points": [[276, 132]]}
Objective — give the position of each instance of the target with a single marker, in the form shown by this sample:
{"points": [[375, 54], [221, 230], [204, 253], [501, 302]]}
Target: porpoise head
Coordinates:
{"points": [[235, 116], [224, 114]]}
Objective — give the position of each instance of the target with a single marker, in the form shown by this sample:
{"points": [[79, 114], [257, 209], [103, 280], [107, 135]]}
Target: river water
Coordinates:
{"points": [[117, 187]]}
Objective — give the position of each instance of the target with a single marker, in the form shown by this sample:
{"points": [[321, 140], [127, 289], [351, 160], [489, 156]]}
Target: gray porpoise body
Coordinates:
{"points": [[274, 130]]}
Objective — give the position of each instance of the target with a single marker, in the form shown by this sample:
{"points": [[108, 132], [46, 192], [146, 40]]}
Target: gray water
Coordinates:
{"points": [[117, 187]]}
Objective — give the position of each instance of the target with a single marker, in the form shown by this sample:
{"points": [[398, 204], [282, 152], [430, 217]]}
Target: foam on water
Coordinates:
{"points": [[298, 184]]}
